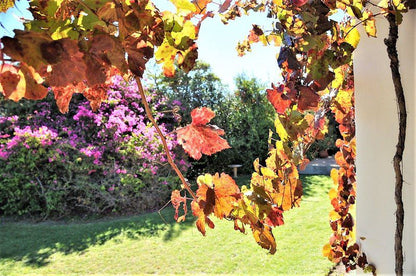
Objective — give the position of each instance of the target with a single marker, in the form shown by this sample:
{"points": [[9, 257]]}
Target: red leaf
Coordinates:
{"points": [[225, 5], [275, 217], [299, 3], [202, 116], [177, 199], [279, 100], [199, 138]]}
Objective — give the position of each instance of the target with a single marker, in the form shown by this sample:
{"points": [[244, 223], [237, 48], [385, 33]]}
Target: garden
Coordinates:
{"points": [[148, 244], [112, 164]]}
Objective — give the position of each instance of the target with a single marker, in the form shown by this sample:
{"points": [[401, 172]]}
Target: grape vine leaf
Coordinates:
{"points": [[6, 4], [21, 82], [177, 200], [278, 99], [216, 194], [200, 138]]}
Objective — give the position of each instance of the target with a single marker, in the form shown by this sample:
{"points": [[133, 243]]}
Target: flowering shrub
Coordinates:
{"points": [[85, 162]]}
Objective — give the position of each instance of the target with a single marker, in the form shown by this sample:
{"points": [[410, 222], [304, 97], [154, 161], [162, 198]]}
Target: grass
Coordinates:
{"points": [[146, 245]]}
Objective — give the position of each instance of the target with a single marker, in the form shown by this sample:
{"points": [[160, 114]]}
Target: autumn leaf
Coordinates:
{"points": [[202, 218], [6, 4], [275, 217], [29, 47], [70, 68], [308, 99], [353, 37], [224, 6], [299, 3], [199, 138], [216, 194], [23, 82], [177, 200], [279, 100], [201, 5], [219, 194], [264, 237], [369, 23]]}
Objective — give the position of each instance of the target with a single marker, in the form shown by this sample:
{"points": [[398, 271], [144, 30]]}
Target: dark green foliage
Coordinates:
{"points": [[328, 143]]}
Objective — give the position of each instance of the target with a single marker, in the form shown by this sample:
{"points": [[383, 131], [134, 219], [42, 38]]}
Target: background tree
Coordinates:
{"points": [[200, 87]]}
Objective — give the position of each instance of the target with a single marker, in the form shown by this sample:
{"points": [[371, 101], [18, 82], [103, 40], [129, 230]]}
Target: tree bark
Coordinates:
{"points": [[391, 43]]}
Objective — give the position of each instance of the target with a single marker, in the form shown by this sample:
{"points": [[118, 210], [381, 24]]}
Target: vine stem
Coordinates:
{"points": [[391, 43], [163, 139]]}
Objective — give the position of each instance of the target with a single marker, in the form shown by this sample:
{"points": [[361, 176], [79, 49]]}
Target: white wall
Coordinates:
{"points": [[377, 131]]}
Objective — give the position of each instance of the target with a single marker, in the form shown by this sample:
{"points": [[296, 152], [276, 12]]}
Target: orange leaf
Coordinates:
{"points": [[23, 82], [199, 138], [10, 85], [264, 237], [216, 194], [177, 199], [202, 218], [202, 116], [201, 5]]}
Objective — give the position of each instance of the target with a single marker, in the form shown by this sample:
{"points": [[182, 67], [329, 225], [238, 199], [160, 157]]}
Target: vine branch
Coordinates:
{"points": [[162, 138], [391, 43]]}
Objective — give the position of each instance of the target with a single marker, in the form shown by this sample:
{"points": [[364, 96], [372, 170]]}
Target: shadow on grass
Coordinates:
{"points": [[315, 185], [312, 184], [35, 243]]}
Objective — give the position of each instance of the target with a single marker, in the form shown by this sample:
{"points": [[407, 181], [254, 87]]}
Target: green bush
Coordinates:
{"points": [[82, 163]]}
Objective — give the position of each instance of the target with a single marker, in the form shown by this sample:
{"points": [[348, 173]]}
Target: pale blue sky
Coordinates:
{"points": [[216, 43]]}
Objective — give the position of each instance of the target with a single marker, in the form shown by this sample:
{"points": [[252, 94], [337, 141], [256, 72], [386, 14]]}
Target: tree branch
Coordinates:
{"points": [[163, 139], [391, 43]]}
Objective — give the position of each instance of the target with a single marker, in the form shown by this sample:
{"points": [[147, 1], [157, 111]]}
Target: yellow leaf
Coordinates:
{"points": [[205, 179], [166, 54], [383, 4], [339, 77], [353, 37], [334, 176], [256, 165], [267, 172], [276, 39], [188, 32], [333, 216], [184, 7], [332, 194], [280, 129], [369, 24], [326, 250]]}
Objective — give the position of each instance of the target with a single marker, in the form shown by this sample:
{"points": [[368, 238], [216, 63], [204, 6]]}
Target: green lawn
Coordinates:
{"points": [[144, 244]]}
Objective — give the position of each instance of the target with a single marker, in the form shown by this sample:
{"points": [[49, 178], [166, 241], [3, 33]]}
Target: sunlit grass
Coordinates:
{"points": [[144, 244]]}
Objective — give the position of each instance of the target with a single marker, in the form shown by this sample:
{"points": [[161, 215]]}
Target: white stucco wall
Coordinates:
{"points": [[377, 131]]}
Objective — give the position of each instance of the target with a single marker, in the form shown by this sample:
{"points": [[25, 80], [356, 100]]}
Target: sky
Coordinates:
{"points": [[216, 42]]}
